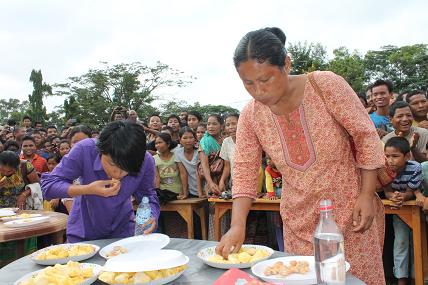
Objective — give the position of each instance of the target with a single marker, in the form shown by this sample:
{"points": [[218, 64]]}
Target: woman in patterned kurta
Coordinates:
{"points": [[304, 134]]}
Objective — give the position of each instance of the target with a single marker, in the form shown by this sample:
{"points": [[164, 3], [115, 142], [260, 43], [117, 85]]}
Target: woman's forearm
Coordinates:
{"points": [[241, 207], [368, 181], [77, 190]]}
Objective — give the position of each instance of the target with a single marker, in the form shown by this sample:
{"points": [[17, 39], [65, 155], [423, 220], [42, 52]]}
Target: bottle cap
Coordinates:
{"points": [[326, 205], [145, 199]]}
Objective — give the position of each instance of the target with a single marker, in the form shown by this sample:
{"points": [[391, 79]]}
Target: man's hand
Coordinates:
{"points": [[414, 140], [381, 133], [104, 188], [363, 213], [423, 124]]}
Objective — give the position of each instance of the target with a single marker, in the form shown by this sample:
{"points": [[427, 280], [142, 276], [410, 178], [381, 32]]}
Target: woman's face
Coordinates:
{"points": [[48, 147], [155, 123], [51, 164], [192, 121], [38, 139], [111, 169], [266, 83], [77, 137], [161, 145], [64, 148], [230, 125], [200, 131], [187, 140], [213, 126]]}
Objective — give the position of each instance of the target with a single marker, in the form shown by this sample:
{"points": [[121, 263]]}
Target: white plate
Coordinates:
{"points": [[292, 279], [158, 281], [19, 217], [97, 270], [206, 253], [7, 212], [26, 222], [139, 261], [10, 209], [63, 260], [141, 242]]}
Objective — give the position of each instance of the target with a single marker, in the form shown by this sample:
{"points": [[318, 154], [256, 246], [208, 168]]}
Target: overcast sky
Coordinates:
{"points": [[66, 38]]}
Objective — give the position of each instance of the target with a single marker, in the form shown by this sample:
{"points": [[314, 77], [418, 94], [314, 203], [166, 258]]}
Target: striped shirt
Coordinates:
{"points": [[411, 177]]}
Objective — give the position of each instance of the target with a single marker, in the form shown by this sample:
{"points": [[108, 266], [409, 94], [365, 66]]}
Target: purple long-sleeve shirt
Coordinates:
{"points": [[95, 217]]}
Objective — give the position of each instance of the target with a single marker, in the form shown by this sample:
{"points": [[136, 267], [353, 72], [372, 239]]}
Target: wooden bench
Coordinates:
{"points": [[221, 207], [414, 217], [185, 209]]}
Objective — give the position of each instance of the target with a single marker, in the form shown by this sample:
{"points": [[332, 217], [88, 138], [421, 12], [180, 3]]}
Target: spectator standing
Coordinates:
{"points": [[419, 105], [381, 96], [29, 153]]}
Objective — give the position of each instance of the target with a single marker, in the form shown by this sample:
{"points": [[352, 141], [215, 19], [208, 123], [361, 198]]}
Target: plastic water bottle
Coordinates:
{"points": [[144, 212], [329, 248]]}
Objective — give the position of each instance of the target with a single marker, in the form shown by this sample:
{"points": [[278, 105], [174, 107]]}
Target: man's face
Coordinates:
{"points": [[133, 115], [183, 116], [28, 148], [381, 96], [402, 120], [396, 159], [52, 132], [38, 139], [38, 126], [419, 105], [155, 123], [27, 123], [118, 117]]}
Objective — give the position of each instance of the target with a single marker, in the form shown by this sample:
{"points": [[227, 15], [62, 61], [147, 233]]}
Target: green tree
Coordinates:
{"points": [[12, 109], [349, 66], [92, 96], [37, 111], [307, 57], [406, 66]]}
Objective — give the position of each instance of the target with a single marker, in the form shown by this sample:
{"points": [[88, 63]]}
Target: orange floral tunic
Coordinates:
{"points": [[312, 150]]}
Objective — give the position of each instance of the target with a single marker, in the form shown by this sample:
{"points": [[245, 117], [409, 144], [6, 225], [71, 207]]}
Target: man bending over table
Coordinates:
{"points": [[111, 170]]}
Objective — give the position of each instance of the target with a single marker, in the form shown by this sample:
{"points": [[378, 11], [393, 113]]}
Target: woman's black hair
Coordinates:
{"points": [[9, 158], [196, 114], [125, 142], [235, 115], [64, 141], [218, 117], [168, 140], [186, 129], [55, 156], [10, 143], [264, 45], [80, 129]]}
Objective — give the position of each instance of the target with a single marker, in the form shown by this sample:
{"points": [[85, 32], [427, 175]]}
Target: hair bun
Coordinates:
{"points": [[277, 32]]}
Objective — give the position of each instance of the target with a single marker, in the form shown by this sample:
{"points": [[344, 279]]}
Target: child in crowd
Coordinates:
{"points": [[64, 147], [53, 160], [200, 131], [187, 155], [273, 189], [170, 175], [405, 186]]}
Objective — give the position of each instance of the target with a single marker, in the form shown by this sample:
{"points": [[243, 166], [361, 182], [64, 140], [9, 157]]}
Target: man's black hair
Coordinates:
{"points": [[413, 93], [381, 82], [28, 138], [397, 105], [125, 143]]}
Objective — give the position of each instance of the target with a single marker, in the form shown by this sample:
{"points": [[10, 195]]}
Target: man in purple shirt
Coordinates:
{"points": [[110, 170]]}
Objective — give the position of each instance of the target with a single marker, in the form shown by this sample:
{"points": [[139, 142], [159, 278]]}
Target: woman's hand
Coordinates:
{"points": [[21, 200], [214, 188], [363, 213], [231, 242], [152, 228], [104, 188]]}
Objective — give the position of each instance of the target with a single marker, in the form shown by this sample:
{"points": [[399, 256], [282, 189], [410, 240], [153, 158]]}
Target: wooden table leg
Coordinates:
{"points": [[20, 248], [424, 246], [58, 237], [186, 213], [218, 214], [417, 246], [201, 213]]}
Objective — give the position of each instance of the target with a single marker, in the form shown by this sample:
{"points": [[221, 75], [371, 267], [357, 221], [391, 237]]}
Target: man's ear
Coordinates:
{"points": [[407, 156]]}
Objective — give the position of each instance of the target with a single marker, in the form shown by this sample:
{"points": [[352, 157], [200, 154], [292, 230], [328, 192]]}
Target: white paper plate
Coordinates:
{"points": [[206, 253], [96, 267], [159, 281], [63, 260], [20, 217], [7, 212], [26, 222], [138, 243], [140, 261], [10, 209], [292, 279]]}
